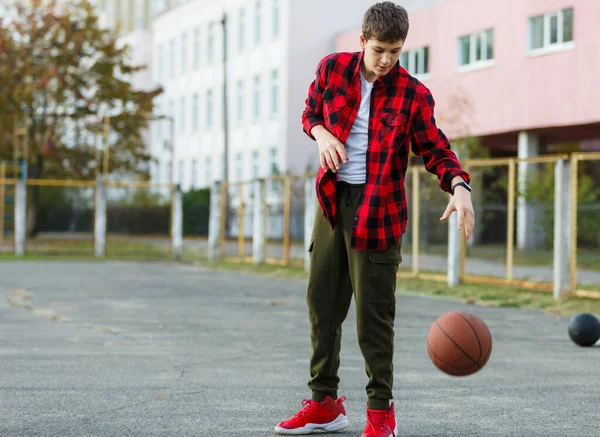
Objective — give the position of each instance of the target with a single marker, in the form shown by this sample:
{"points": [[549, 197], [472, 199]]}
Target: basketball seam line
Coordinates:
{"points": [[430, 349], [474, 333], [456, 344], [490, 347]]}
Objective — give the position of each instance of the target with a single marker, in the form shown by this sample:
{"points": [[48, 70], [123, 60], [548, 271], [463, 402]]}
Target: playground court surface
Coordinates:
{"points": [[161, 349]]}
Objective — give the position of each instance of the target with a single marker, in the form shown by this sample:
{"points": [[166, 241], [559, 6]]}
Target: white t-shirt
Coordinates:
{"points": [[355, 170]]}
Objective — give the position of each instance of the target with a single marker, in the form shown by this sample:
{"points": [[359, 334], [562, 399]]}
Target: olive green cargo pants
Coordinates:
{"points": [[336, 273]]}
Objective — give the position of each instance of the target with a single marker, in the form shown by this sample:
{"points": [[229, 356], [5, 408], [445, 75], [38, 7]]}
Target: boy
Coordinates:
{"points": [[364, 111]]}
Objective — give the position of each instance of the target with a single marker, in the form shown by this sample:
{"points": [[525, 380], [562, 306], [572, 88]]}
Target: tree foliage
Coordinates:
{"points": [[65, 73]]}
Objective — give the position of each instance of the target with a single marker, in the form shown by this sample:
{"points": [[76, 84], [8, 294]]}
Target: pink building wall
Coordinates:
{"points": [[519, 92]]}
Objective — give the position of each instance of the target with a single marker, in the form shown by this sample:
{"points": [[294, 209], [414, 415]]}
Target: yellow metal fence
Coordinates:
{"points": [[121, 241], [417, 250]]}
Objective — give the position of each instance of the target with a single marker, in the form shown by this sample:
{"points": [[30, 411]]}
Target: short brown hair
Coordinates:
{"points": [[385, 21]]}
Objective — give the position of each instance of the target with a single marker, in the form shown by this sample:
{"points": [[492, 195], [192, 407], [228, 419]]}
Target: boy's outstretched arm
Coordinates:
{"points": [[429, 142]]}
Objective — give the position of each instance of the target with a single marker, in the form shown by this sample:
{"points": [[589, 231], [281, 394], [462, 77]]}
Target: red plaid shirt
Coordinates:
{"points": [[401, 114]]}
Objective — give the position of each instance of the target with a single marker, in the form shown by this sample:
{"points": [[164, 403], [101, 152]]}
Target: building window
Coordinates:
{"points": [[155, 171], [241, 29], [183, 53], [274, 91], [273, 167], [194, 175], [110, 14], [255, 164], [240, 100], [209, 108], [210, 44], [158, 6], [140, 14], [180, 172], [172, 58], [182, 115], [196, 58], [157, 123], [171, 125], [239, 167], [160, 70], [195, 112], [416, 62], [476, 50], [169, 172], [275, 23], [256, 97], [550, 31], [207, 173], [257, 22]]}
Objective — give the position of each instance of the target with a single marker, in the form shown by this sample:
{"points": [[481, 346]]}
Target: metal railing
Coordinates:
{"points": [[565, 250]]}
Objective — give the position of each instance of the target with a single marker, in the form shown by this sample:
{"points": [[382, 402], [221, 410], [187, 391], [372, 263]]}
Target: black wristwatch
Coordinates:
{"points": [[462, 183]]}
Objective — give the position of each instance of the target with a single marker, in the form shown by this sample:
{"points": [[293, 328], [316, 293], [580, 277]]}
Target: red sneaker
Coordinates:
{"points": [[326, 416], [380, 423]]}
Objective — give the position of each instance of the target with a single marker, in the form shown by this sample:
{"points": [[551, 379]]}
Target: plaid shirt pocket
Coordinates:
{"points": [[393, 129]]}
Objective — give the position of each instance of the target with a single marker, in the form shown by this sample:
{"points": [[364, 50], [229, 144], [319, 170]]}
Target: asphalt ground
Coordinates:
{"points": [[163, 349]]}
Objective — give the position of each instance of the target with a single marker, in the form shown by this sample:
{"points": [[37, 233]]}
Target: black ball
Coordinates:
{"points": [[584, 329]]}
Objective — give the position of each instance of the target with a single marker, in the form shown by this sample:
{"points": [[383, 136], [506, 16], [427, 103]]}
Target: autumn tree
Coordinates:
{"points": [[65, 73]]}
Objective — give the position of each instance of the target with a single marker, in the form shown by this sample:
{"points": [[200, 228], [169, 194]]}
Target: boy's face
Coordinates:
{"points": [[379, 57]]}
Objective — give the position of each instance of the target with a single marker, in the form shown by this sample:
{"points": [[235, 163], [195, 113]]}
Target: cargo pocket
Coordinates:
{"points": [[381, 275], [393, 256]]}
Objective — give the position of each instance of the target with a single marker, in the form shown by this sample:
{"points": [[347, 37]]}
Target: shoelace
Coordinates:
{"points": [[308, 405], [377, 420]]}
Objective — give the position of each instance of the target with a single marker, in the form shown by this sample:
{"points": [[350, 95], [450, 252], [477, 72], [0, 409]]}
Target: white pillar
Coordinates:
{"points": [[309, 217], [100, 219], [214, 223], [20, 216], [529, 146], [258, 235], [562, 227], [177, 223], [454, 243]]}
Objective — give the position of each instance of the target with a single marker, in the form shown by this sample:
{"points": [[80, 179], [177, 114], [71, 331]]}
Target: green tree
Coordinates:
{"points": [[539, 190], [64, 73], [196, 208]]}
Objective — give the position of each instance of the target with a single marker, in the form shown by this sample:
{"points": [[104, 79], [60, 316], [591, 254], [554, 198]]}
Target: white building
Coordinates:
{"points": [[273, 49], [272, 52]]}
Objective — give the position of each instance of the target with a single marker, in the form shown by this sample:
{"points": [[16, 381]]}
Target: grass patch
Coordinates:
{"points": [[488, 295], [586, 258], [502, 296], [117, 248]]}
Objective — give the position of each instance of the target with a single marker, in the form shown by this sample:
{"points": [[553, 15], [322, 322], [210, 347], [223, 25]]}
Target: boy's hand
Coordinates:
{"points": [[461, 203], [330, 150]]}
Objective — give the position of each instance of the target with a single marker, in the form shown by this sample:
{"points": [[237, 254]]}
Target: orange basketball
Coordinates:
{"points": [[459, 343]]}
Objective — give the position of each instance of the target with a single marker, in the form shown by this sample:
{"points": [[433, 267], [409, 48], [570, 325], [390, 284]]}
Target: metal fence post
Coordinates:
{"points": [[20, 215], [214, 224], [562, 227], [100, 219], [309, 217], [177, 223], [258, 237], [454, 250]]}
